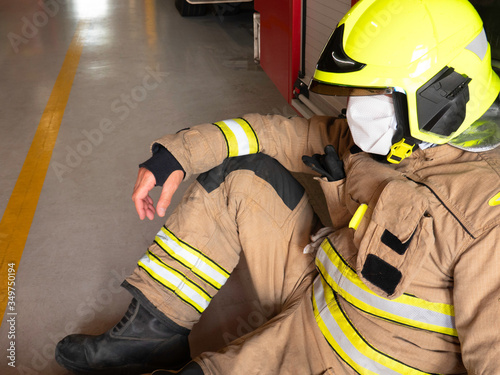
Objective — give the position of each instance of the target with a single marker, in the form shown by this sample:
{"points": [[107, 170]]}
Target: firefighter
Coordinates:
{"points": [[406, 279]]}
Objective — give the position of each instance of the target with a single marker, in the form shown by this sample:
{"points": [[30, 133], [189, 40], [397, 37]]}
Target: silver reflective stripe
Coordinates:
{"points": [[341, 339], [345, 287], [172, 280], [193, 260], [479, 45], [241, 136]]}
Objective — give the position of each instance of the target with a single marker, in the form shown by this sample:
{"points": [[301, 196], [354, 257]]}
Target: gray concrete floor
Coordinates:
{"points": [[85, 236]]}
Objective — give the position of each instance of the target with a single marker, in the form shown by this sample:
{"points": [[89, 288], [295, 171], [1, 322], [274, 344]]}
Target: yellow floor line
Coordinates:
{"points": [[18, 215]]}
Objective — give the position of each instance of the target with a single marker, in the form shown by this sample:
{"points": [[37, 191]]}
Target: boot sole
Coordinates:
{"points": [[122, 370]]}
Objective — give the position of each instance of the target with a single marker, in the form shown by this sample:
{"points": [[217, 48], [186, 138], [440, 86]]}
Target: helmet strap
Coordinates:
{"points": [[401, 150], [403, 143]]}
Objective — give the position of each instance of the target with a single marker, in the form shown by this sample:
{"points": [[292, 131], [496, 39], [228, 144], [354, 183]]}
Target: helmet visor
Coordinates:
{"points": [[483, 134], [339, 90]]}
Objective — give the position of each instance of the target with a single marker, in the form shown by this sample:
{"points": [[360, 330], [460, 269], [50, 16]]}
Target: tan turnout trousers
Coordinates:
{"points": [[228, 210]]}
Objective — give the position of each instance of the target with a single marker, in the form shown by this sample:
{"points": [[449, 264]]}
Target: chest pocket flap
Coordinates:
{"points": [[397, 239]]}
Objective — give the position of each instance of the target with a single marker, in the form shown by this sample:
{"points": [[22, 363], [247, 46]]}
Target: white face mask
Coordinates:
{"points": [[372, 122]]}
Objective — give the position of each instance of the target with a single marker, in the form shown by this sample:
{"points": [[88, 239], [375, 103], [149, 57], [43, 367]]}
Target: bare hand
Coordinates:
{"points": [[145, 183]]}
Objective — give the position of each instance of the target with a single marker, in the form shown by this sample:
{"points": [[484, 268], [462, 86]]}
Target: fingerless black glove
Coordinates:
{"points": [[161, 164]]}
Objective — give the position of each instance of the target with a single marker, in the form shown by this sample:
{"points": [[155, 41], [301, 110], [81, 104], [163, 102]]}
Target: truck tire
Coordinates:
{"points": [[190, 10]]}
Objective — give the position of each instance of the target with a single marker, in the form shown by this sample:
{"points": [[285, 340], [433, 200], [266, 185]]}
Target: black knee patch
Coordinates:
{"points": [[265, 167]]}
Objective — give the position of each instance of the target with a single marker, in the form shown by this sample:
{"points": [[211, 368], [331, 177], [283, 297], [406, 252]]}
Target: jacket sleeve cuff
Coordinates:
{"points": [[161, 164]]}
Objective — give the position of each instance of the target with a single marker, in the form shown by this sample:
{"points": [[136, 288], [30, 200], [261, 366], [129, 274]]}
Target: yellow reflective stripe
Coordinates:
{"points": [[202, 266], [223, 272], [406, 309], [231, 141], [347, 342], [175, 281], [407, 299], [495, 201], [240, 137]]}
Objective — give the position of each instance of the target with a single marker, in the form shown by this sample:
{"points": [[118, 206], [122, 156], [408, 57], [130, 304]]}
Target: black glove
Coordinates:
{"points": [[161, 164], [328, 164]]}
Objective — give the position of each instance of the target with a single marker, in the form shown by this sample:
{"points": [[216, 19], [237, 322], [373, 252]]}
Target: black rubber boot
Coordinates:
{"points": [[139, 343], [192, 368]]}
